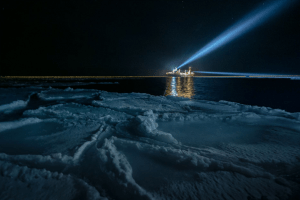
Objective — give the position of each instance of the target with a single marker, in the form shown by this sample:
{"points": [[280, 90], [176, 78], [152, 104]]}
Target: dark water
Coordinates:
{"points": [[275, 93]]}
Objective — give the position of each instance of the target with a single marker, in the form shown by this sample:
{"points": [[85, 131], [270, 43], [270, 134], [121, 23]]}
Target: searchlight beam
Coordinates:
{"points": [[249, 22], [236, 73]]}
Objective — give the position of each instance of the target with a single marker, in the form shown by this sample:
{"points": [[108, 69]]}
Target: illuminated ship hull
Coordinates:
{"points": [[176, 73], [180, 75]]}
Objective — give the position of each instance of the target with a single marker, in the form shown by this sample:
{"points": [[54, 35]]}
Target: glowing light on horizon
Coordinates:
{"points": [[249, 22]]}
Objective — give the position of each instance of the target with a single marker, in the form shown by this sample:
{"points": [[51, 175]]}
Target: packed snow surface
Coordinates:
{"points": [[90, 144]]}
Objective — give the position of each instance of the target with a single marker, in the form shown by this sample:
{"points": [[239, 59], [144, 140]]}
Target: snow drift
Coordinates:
{"points": [[90, 144]]}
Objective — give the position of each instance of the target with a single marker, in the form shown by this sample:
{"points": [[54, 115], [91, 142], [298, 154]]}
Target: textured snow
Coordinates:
{"points": [[91, 144], [19, 123], [15, 105]]}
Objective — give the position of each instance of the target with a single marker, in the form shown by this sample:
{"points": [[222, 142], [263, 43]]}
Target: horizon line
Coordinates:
{"points": [[107, 77]]}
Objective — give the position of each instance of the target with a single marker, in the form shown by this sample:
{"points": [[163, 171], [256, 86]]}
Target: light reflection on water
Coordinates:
{"points": [[180, 87]]}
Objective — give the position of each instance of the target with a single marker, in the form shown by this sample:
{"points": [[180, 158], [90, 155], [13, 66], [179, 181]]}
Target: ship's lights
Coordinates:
{"points": [[249, 22]]}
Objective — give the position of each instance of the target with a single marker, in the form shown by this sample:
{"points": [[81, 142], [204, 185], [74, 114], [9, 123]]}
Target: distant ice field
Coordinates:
{"points": [[274, 93], [68, 143]]}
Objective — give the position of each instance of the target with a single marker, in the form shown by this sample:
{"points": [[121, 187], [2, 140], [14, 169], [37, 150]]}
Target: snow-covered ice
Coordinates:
{"points": [[91, 144]]}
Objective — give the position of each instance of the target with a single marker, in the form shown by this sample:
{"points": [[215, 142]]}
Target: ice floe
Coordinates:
{"points": [[91, 144]]}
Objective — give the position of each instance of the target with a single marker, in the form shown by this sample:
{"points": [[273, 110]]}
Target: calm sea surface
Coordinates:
{"points": [[275, 93]]}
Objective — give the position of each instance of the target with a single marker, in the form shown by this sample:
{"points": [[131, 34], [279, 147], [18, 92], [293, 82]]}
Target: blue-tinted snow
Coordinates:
{"points": [[91, 144]]}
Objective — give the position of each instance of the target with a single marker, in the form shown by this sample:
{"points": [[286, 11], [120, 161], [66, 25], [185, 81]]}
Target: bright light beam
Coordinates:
{"points": [[252, 75], [237, 73], [249, 22]]}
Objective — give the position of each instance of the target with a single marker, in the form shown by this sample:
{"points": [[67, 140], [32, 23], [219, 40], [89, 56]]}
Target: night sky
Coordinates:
{"points": [[141, 37]]}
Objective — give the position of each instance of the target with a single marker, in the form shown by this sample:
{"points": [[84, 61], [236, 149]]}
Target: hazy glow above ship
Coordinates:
{"points": [[249, 22]]}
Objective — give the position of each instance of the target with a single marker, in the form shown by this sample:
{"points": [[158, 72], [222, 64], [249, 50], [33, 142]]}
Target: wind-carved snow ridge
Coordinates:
{"points": [[145, 126], [19, 123], [117, 171], [90, 144], [15, 105], [68, 93]]}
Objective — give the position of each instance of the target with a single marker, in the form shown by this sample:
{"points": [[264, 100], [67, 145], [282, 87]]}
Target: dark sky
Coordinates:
{"points": [[141, 37]]}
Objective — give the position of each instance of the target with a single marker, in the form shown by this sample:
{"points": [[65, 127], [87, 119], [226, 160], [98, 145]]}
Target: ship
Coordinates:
{"points": [[177, 73]]}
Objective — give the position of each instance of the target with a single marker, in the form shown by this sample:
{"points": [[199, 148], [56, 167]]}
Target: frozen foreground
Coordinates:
{"points": [[90, 144]]}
